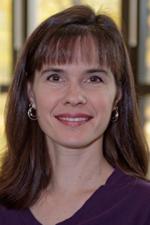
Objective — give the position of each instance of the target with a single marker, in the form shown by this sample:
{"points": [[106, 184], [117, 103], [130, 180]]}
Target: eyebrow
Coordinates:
{"points": [[51, 70], [89, 71], [98, 71]]}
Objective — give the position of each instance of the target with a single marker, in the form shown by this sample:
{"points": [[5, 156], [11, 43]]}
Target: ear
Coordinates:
{"points": [[118, 97], [30, 94]]}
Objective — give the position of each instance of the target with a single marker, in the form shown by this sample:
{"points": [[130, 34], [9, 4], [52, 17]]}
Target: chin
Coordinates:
{"points": [[76, 144]]}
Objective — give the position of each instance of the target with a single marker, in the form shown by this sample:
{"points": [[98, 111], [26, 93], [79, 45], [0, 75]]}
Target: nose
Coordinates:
{"points": [[75, 96]]}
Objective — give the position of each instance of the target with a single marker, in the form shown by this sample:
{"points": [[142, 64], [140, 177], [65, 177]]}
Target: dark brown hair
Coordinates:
{"points": [[26, 168]]}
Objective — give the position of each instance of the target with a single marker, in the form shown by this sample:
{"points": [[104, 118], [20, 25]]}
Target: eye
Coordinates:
{"points": [[54, 77], [95, 79]]}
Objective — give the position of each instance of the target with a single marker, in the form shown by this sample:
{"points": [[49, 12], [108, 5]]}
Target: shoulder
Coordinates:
{"points": [[131, 191], [130, 197], [141, 190], [139, 201], [133, 186], [136, 193], [12, 216]]}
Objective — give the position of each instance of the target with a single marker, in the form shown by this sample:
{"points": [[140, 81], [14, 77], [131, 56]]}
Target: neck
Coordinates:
{"points": [[73, 168]]}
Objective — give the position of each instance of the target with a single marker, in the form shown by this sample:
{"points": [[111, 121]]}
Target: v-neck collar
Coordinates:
{"points": [[111, 181]]}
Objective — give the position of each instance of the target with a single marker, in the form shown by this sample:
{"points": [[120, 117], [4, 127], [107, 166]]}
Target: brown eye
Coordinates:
{"points": [[54, 78], [95, 79]]}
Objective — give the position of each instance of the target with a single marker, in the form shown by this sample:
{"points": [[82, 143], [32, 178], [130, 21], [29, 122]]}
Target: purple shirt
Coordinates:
{"points": [[123, 200]]}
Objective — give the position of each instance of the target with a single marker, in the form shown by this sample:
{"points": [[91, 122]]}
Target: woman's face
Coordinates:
{"points": [[74, 102]]}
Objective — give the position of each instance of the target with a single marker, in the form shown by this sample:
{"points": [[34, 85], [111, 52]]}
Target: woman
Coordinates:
{"points": [[76, 153]]}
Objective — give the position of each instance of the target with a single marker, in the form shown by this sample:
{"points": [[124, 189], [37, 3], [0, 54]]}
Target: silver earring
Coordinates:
{"points": [[32, 113], [115, 115]]}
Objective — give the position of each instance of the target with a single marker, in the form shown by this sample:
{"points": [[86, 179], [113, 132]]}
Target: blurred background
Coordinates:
{"points": [[18, 18]]}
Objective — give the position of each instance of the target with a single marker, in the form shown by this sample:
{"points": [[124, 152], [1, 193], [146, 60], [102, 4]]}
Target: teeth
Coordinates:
{"points": [[78, 119]]}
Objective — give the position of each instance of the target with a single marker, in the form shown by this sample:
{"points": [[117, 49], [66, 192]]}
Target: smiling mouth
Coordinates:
{"points": [[73, 120]]}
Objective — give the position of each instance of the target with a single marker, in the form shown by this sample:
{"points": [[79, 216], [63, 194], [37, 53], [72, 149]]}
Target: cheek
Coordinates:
{"points": [[44, 101], [44, 109], [104, 102], [103, 110]]}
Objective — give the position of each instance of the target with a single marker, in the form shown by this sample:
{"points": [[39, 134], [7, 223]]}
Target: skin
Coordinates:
{"points": [[75, 147]]}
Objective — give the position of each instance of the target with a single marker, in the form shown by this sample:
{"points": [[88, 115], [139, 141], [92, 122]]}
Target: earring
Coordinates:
{"points": [[32, 113], [115, 115]]}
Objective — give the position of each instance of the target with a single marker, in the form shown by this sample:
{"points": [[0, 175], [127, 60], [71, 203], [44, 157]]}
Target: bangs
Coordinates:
{"points": [[78, 43]]}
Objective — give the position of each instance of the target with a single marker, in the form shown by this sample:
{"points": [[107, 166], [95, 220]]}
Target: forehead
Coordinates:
{"points": [[68, 50], [82, 54], [84, 50]]}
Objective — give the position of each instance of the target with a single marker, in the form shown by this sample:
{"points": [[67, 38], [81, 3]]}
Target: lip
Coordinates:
{"points": [[73, 120]]}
